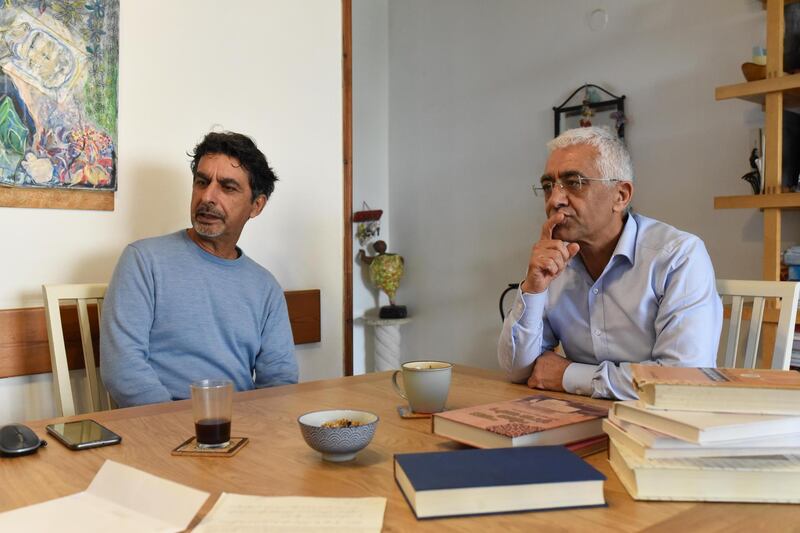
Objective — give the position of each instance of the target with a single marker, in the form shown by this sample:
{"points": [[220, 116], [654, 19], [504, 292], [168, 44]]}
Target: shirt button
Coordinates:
{"points": [[597, 332], [595, 291]]}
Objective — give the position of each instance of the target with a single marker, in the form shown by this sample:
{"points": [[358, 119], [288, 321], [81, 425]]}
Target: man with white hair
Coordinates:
{"points": [[611, 286]]}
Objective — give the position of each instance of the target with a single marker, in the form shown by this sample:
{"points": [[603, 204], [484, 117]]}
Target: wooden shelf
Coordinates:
{"points": [[787, 200], [754, 91]]}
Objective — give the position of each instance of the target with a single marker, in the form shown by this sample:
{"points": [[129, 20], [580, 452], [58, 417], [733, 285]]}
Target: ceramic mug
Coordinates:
{"points": [[425, 385]]}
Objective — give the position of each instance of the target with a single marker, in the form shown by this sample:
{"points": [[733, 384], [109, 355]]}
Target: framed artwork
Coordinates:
{"points": [[59, 63], [596, 107]]}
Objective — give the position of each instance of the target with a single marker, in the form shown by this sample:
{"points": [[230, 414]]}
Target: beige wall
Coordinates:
{"points": [[471, 90], [269, 68]]}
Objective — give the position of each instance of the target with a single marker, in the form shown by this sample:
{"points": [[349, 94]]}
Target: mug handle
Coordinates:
{"points": [[396, 386]]}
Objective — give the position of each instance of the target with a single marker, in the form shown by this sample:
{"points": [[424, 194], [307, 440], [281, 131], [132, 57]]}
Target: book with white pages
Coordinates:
{"points": [[722, 390], [771, 479], [649, 444], [705, 427]]}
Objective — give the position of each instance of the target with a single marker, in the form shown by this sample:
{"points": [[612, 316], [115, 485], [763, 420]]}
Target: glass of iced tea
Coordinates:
{"points": [[212, 405]]}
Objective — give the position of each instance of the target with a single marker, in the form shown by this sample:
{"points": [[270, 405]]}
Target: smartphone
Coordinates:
{"points": [[83, 434]]}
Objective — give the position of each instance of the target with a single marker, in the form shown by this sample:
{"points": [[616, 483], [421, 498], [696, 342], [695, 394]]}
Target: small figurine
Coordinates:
{"points": [[753, 177], [586, 114], [385, 272]]}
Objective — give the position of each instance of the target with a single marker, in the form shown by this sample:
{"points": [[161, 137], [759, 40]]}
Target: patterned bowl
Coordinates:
{"points": [[338, 443]]}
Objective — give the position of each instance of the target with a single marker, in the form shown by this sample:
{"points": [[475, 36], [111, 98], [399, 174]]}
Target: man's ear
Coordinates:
{"points": [[622, 196], [258, 205]]}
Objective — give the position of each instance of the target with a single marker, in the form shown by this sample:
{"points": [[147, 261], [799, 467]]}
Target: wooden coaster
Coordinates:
{"points": [[190, 447], [405, 412]]}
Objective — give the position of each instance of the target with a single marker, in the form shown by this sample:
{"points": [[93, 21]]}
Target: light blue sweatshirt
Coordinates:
{"points": [[174, 313]]}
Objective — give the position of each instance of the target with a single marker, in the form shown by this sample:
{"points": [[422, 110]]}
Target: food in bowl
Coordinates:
{"points": [[341, 423], [336, 441]]}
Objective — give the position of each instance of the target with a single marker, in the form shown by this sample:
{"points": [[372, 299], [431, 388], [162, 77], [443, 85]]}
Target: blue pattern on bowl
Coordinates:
{"points": [[337, 444]]}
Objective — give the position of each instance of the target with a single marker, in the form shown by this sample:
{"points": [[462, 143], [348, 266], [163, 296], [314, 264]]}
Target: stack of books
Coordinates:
{"points": [[708, 434], [796, 347]]}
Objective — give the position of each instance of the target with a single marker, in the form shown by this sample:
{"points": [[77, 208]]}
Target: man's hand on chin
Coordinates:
{"points": [[548, 371]]}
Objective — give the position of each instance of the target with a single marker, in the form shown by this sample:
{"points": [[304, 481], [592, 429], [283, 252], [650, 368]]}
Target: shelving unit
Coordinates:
{"points": [[787, 200], [776, 91]]}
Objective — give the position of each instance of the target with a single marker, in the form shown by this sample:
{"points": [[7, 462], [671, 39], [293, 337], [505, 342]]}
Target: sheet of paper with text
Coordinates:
{"points": [[244, 514]]}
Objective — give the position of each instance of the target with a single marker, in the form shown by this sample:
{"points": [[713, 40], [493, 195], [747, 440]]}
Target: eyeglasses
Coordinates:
{"points": [[570, 183]]}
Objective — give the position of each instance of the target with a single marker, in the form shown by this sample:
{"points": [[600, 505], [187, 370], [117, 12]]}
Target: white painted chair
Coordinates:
{"points": [[82, 294], [739, 291]]}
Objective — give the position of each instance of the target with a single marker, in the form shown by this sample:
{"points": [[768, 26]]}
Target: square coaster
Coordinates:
{"points": [[190, 447], [405, 412]]}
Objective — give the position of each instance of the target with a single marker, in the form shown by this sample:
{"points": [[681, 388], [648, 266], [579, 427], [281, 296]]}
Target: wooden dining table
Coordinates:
{"points": [[277, 461]]}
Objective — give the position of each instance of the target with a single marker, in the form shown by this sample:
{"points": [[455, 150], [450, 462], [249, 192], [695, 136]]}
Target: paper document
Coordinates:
{"points": [[243, 514], [120, 499]]}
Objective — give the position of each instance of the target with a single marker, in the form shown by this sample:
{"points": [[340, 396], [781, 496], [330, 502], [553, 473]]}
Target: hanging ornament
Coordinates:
{"points": [[369, 223], [586, 115]]}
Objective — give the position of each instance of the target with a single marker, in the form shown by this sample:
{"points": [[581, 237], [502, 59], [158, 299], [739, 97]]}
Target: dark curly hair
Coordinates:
{"points": [[244, 149]]}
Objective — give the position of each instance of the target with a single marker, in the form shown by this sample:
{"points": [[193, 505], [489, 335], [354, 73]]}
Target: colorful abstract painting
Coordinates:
{"points": [[58, 93]]}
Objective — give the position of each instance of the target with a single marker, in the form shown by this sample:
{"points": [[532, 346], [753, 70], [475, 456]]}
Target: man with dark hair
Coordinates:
{"points": [[191, 305]]}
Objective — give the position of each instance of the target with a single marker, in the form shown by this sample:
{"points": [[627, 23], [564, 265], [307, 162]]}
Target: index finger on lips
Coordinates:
{"points": [[550, 224]]}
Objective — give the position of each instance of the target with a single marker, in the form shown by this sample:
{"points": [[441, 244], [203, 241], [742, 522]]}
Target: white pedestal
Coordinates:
{"points": [[387, 341]]}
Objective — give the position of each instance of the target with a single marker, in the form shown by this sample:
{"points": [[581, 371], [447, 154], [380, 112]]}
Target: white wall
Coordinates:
{"points": [[472, 86], [268, 68], [370, 156]]}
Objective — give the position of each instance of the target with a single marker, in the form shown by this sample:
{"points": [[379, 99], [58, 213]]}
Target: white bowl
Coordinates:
{"points": [[338, 444]]}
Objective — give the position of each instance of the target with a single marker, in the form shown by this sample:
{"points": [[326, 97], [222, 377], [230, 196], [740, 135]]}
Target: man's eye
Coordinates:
{"points": [[547, 186], [573, 184]]}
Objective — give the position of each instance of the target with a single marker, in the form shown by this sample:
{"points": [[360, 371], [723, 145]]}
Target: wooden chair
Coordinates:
{"points": [[82, 294], [758, 291]]}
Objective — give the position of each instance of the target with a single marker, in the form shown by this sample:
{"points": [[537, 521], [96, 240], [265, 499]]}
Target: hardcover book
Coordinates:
{"points": [[706, 428], [774, 479], [729, 390], [533, 420], [649, 444], [466, 482]]}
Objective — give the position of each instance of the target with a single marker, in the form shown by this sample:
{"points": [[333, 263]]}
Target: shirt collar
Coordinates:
{"points": [[626, 245]]}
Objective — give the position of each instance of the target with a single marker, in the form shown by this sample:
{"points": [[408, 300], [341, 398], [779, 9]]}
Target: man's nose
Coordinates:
{"points": [[558, 197], [210, 193]]}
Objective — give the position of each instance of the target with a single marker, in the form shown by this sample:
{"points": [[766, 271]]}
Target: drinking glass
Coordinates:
{"points": [[212, 405]]}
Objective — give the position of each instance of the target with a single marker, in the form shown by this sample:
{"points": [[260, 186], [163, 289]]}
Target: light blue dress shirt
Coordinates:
{"points": [[655, 303]]}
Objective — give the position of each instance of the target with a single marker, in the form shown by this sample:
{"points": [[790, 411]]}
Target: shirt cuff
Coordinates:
{"points": [[529, 309], [578, 378]]}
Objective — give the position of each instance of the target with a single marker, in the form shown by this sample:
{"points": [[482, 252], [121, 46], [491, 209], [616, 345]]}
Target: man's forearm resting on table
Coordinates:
{"points": [[521, 338]]}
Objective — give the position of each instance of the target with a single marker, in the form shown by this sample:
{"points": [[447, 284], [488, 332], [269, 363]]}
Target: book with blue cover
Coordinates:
{"points": [[497, 480]]}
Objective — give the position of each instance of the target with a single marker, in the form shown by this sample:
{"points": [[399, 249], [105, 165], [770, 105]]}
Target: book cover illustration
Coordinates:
{"points": [[644, 375], [523, 416]]}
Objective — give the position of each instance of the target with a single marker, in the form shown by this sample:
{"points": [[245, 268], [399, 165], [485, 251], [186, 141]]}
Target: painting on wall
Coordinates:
{"points": [[58, 94]]}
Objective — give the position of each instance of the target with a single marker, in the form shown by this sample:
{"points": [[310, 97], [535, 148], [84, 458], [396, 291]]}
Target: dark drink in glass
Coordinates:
{"points": [[213, 431], [212, 406]]}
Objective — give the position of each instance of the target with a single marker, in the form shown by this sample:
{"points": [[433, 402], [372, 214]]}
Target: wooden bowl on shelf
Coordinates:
{"points": [[754, 71]]}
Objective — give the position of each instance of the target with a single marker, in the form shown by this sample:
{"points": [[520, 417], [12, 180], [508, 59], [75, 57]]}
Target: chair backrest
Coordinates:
{"points": [[740, 291], [82, 294]]}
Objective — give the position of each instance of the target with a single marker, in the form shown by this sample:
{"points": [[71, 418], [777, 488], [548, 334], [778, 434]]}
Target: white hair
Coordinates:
{"points": [[614, 161]]}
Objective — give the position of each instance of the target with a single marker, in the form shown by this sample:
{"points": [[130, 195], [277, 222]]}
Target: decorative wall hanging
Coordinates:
{"points": [[369, 223], [593, 109], [58, 95]]}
